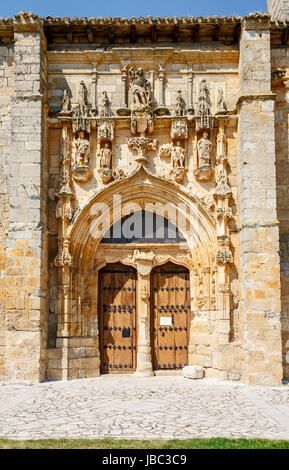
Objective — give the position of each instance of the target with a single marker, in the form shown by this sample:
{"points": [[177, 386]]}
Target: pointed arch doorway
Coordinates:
{"points": [[144, 308]]}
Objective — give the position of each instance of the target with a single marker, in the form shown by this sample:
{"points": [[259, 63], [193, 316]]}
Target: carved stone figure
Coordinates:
{"points": [[140, 90], [180, 107], [81, 111], [178, 156], [221, 106], [204, 149], [204, 120], [104, 108], [81, 171], [66, 104], [204, 104], [82, 146], [105, 157], [83, 98]]}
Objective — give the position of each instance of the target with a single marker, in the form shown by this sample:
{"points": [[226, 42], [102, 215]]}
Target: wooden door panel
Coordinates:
{"points": [[117, 307], [171, 316]]}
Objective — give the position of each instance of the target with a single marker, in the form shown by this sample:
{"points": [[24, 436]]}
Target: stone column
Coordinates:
{"points": [[161, 88], [144, 356], [27, 252], [94, 89], [190, 81], [124, 80], [259, 233]]}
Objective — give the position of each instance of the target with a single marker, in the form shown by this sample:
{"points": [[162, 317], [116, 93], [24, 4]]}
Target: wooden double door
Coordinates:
{"points": [[169, 322]]}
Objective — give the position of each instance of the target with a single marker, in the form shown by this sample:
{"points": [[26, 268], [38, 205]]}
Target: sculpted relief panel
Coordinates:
{"points": [[98, 132], [192, 152]]}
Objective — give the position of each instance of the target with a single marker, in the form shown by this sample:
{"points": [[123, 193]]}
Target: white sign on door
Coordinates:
{"points": [[166, 321]]}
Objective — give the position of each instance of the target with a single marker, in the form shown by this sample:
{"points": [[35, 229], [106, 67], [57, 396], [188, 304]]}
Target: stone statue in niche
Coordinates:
{"points": [[82, 150], [105, 162], [105, 156], [204, 150], [105, 110], [81, 171], [81, 111], [66, 104], [142, 108], [141, 91], [204, 172], [223, 190], [221, 105], [204, 99], [205, 119], [83, 102], [180, 106], [178, 156]]}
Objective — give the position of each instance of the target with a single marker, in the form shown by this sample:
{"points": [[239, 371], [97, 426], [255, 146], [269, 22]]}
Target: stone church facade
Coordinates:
{"points": [[106, 122]]}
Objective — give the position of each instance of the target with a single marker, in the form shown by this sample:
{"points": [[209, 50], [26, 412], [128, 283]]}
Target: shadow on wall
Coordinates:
{"points": [[282, 174]]}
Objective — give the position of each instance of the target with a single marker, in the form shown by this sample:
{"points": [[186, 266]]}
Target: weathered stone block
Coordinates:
{"points": [[193, 372]]}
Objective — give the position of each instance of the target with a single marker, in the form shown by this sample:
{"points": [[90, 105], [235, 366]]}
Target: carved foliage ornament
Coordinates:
{"points": [[179, 129], [141, 145], [105, 131], [63, 257]]}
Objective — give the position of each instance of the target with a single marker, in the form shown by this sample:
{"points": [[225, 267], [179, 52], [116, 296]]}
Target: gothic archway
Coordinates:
{"points": [[78, 312]]}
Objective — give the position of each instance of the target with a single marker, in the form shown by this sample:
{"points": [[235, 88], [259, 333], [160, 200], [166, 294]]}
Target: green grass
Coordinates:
{"points": [[154, 444]]}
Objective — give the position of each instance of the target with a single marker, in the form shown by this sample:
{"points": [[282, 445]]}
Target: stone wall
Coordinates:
{"points": [[27, 234], [6, 93], [239, 322]]}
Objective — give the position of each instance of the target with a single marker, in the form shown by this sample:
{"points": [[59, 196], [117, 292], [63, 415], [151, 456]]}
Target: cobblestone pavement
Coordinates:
{"points": [[157, 407]]}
